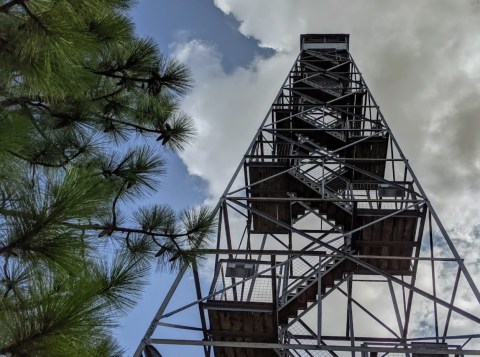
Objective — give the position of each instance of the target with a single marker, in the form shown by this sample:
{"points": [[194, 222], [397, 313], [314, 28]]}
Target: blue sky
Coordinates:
{"points": [[421, 61]]}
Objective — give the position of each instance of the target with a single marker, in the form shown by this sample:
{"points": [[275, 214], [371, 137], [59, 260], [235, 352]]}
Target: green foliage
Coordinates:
{"points": [[86, 107], [60, 315], [176, 236]]}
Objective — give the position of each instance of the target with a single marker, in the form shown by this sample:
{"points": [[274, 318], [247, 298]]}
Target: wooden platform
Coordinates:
{"points": [[278, 187], [273, 187], [229, 324], [394, 236], [373, 147]]}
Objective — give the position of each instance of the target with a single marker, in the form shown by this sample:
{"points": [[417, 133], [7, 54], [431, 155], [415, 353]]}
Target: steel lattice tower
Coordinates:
{"points": [[327, 243]]}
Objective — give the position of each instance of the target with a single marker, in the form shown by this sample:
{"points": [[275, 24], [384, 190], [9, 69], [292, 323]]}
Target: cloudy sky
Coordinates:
{"points": [[421, 60]]}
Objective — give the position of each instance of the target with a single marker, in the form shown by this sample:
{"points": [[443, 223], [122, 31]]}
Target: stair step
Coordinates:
{"points": [[301, 301], [337, 273], [307, 293], [312, 293], [328, 279]]}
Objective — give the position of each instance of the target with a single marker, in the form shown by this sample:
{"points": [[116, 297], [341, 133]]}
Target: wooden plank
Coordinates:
{"points": [[228, 335], [397, 226], [402, 244], [242, 326], [379, 235], [385, 212], [225, 321]]}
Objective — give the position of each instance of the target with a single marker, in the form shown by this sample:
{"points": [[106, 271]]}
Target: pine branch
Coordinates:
{"points": [[110, 227], [113, 74], [67, 159], [35, 18], [121, 280], [127, 230], [61, 315], [23, 100], [8, 280], [21, 242], [135, 126], [9, 102], [114, 204], [109, 95], [4, 45]]}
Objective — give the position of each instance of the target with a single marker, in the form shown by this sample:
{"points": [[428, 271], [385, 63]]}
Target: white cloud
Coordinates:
{"points": [[227, 109]]}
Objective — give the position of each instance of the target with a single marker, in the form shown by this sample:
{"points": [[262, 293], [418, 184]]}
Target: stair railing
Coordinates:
{"points": [[329, 128], [299, 286], [318, 185]]}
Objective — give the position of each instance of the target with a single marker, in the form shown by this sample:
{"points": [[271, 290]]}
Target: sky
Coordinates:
{"points": [[420, 59]]}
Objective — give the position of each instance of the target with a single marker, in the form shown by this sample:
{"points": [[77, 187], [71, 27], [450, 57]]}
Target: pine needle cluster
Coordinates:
{"points": [[86, 107]]}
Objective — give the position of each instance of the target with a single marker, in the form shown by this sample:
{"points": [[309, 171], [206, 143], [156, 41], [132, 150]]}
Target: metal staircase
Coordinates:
{"points": [[306, 290]]}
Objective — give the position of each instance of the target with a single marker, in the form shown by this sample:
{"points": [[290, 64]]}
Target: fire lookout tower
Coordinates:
{"points": [[327, 243]]}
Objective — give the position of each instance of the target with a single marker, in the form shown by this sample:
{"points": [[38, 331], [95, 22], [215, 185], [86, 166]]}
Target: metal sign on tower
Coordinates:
{"points": [[327, 244]]}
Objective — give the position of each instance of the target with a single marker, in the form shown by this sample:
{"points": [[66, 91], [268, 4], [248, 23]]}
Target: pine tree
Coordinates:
{"points": [[86, 107]]}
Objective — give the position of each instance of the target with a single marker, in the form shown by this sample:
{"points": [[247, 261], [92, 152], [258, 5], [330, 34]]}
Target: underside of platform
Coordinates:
{"points": [[242, 326]]}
